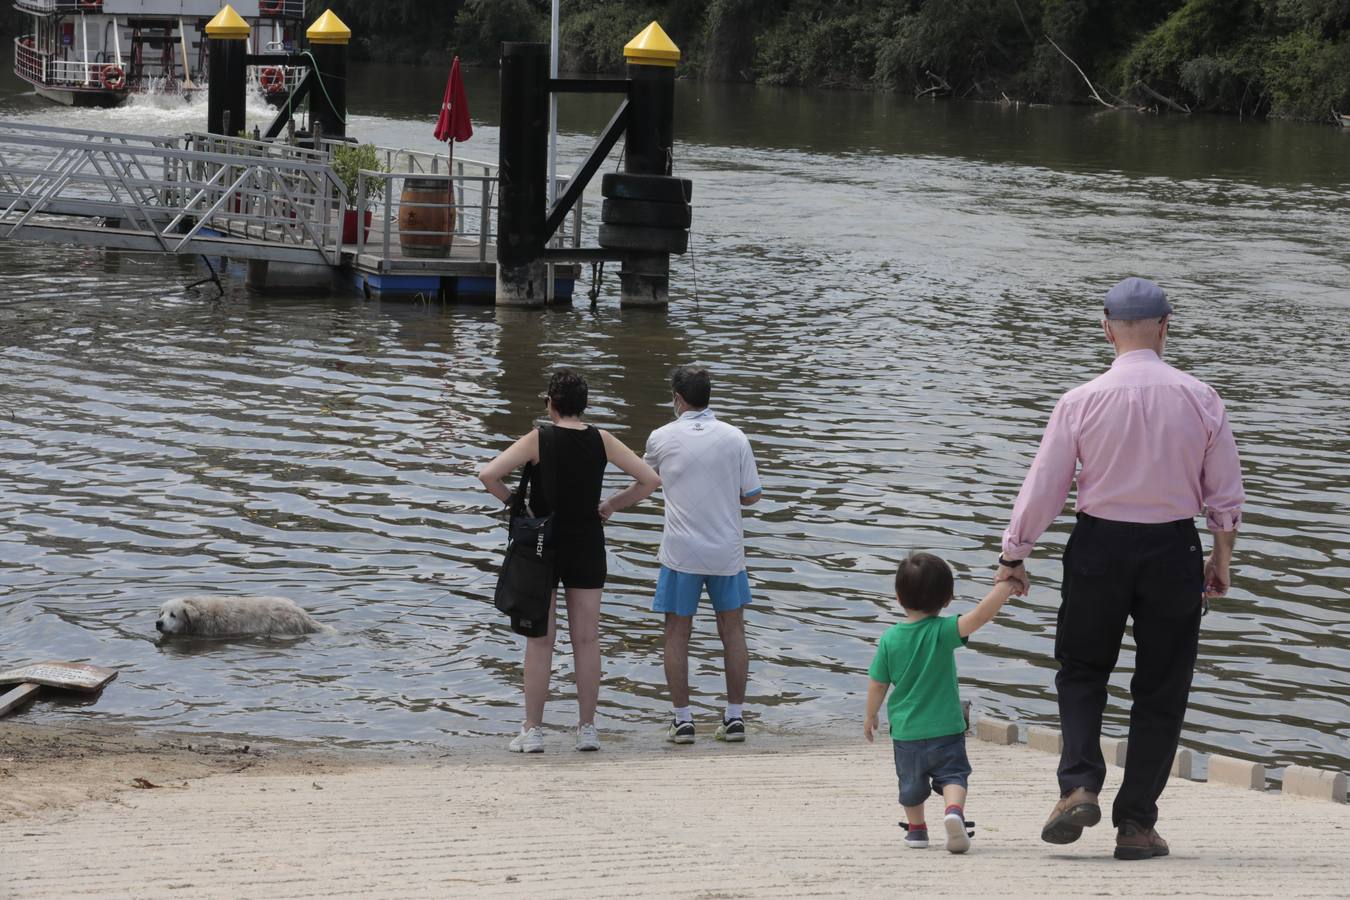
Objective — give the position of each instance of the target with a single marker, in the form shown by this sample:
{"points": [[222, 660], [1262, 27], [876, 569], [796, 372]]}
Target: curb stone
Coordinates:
{"points": [[996, 731], [1113, 749], [1046, 739], [1304, 781], [1183, 766], [1239, 772]]}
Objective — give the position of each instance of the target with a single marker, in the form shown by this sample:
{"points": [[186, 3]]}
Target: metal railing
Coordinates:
{"points": [[291, 76], [418, 219], [237, 146], [46, 68], [52, 6], [28, 60], [282, 9], [474, 201], [271, 200], [164, 197]]}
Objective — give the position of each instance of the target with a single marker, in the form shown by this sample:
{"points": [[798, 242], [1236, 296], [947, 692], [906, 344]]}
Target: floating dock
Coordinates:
{"points": [[280, 208]]}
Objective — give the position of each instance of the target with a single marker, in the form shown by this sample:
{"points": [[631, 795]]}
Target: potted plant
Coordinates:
{"points": [[348, 161]]}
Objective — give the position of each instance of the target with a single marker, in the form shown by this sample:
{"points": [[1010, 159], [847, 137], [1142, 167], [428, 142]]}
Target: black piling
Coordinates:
{"points": [[227, 37], [644, 278], [522, 185], [329, 40]]}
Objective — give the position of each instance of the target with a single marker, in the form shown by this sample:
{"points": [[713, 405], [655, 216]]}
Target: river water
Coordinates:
{"points": [[891, 296]]}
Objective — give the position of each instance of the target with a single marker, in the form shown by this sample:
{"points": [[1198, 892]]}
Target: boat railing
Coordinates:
{"points": [[55, 6], [29, 62], [282, 9], [46, 68], [291, 76]]}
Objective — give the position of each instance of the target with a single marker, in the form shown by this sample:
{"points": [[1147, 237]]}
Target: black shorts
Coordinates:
{"points": [[579, 561]]}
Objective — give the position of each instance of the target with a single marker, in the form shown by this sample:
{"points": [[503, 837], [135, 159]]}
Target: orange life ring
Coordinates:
{"points": [[272, 79], [271, 7], [113, 78]]}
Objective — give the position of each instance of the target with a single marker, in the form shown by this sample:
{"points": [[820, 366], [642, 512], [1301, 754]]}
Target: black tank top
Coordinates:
{"points": [[581, 464]]}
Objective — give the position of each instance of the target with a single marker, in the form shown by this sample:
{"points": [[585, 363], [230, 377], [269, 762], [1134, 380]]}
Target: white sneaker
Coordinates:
{"points": [[531, 741], [587, 738]]}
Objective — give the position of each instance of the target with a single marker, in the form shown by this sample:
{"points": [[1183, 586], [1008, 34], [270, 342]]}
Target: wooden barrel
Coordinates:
{"points": [[426, 220]]}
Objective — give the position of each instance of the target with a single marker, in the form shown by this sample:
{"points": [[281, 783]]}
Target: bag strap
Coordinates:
{"points": [[548, 461], [519, 500]]}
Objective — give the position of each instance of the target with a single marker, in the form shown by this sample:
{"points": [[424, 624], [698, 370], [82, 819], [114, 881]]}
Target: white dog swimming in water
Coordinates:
{"points": [[232, 615]]}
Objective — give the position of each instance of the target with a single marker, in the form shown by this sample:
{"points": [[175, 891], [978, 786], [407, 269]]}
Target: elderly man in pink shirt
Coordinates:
{"points": [[1151, 449]]}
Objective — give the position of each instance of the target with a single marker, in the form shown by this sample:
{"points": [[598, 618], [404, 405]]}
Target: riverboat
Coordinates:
{"points": [[100, 52]]}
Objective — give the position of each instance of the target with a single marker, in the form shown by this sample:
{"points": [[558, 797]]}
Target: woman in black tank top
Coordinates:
{"points": [[582, 453]]}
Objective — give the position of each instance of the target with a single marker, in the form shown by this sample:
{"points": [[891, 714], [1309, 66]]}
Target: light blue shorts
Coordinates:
{"points": [[679, 592]]}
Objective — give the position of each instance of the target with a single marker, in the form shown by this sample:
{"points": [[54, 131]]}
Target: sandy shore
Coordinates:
{"points": [[778, 817]]}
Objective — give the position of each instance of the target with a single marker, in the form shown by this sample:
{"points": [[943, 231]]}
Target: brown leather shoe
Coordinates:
{"points": [[1074, 812], [1134, 841]]}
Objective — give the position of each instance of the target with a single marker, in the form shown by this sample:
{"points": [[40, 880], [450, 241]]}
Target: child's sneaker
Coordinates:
{"points": [[958, 841], [731, 730], [916, 838], [680, 732]]}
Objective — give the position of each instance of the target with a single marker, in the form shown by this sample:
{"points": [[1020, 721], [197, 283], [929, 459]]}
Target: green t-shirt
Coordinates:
{"points": [[918, 659]]}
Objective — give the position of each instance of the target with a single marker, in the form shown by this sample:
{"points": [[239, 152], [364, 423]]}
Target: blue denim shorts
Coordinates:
{"points": [[924, 766], [680, 592]]}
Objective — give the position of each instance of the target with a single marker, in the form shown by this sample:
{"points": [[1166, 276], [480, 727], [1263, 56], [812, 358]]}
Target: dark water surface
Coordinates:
{"points": [[891, 294]]}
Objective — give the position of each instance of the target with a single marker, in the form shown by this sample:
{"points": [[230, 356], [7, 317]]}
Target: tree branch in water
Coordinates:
{"points": [[1179, 107], [939, 84], [1091, 86]]}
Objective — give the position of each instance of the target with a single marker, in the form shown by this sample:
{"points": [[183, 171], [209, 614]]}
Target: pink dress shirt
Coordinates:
{"points": [[1150, 444]]}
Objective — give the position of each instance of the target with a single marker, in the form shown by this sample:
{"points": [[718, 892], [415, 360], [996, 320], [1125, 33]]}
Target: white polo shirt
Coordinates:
{"points": [[706, 467]]}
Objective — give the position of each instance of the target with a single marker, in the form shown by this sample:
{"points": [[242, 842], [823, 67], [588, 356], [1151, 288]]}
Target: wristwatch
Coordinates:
{"points": [[1009, 563]]}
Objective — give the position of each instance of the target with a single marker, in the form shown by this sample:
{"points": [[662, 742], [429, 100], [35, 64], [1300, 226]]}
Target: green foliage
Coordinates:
{"points": [[1288, 58], [349, 160], [1307, 76], [483, 25]]}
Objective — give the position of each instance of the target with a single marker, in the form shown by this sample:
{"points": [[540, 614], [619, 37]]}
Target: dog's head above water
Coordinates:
{"points": [[174, 618]]}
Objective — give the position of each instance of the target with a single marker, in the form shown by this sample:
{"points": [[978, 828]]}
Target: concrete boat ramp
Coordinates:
{"points": [[776, 817]]}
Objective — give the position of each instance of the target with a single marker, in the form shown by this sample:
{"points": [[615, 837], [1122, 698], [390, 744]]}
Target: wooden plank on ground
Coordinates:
{"points": [[65, 675], [18, 697]]}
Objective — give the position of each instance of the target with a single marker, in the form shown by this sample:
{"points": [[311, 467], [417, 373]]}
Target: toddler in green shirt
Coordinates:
{"points": [[916, 662]]}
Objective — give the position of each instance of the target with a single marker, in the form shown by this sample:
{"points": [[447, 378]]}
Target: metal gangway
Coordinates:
{"points": [[250, 200], [211, 195]]}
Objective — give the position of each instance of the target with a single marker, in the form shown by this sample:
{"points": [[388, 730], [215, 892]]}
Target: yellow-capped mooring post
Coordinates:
{"points": [[329, 38], [649, 150], [227, 48]]}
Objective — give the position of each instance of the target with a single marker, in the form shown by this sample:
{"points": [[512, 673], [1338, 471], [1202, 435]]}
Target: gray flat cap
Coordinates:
{"points": [[1137, 298]]}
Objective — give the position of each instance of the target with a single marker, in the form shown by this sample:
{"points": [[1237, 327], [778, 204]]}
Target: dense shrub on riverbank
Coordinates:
{"points": [[1286, 58]]}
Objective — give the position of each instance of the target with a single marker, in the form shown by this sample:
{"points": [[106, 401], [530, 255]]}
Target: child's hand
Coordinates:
{"points": [[869, 727]]}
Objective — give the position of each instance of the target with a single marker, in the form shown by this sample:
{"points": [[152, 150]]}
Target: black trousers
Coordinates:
{"points": [[1154, 575]]}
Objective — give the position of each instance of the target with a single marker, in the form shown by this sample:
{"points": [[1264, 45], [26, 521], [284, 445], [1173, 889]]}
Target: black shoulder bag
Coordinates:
{"points": [[525, 583]]}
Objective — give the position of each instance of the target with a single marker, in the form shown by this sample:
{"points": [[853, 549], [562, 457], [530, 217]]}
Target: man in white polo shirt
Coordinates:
{"points": [[707, 474]]}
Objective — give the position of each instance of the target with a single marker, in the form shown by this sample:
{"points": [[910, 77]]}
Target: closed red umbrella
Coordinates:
{"points": [[453, 123]]}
